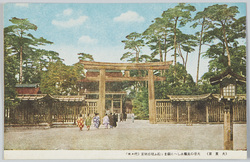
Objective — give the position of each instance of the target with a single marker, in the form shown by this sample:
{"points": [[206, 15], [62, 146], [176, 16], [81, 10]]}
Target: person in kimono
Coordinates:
{"points": [[96, 120], [114, 120], [111, 120], [121, 117], [88, 121], [80, 122], [105, 121]]}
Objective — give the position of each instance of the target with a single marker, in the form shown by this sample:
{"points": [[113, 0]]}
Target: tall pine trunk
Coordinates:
{"points": [[21, 66], [199, 54], [227, 49], [160, 52], [175, 43]]}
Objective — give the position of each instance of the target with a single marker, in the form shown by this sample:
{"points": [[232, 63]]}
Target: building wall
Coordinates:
{"points": [[25, 90]]}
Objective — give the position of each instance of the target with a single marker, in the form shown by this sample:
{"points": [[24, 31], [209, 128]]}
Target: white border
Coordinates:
{"points": [[124, 154]]}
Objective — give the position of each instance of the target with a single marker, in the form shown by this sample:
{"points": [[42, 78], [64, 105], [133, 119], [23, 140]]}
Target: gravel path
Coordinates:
{"points": [[139, 135]]}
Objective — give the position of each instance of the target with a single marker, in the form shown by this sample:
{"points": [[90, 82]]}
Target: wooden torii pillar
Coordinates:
{"points": [[151, 97], [101, 102], [102, 78]]}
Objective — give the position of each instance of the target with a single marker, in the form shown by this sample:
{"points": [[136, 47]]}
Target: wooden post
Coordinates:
{"points": [[127, 73], [50, 104], [74, 114], [151, 97], [121, 105], [112, 104], [228, 127], [207, 115], [231, 125], [177, 111], [188, 107], [32, 113], [101, 102]]}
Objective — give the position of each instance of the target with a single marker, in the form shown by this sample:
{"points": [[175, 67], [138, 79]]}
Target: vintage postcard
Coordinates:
{"points": [[125, 80]]}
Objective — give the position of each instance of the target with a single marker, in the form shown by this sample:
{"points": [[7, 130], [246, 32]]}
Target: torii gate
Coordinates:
{"points": [[102, 78]]}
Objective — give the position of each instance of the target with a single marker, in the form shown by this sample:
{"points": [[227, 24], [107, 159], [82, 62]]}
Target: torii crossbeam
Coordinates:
{"points": [[102, 78]]}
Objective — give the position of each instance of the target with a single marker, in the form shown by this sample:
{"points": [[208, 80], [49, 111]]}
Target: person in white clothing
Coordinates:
{"points": [[105, 121]]}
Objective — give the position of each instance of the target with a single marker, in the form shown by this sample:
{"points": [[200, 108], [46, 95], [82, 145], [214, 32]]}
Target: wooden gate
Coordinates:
{"points": [[165, 112], [91, 107]]}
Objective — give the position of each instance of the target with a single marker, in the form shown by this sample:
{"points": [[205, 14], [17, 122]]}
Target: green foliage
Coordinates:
{"points": [[140, 104], [174, 84], [179, 16], [221, 31], [60, 79], [10, 70], [181, 12], [25, 46], [158, 36], [134, 43], [85, 57]]}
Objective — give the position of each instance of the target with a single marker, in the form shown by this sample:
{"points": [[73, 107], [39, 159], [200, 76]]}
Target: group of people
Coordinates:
{"points": [[88, 120], [110, 120]]}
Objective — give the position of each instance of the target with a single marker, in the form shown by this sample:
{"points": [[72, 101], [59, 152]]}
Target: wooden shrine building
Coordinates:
{"points": [[45, 108], [27, 88]]}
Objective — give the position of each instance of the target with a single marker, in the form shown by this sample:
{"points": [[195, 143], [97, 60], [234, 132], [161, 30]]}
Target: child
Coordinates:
{"points": [[96, 120], [88, 122], [80, 122]]}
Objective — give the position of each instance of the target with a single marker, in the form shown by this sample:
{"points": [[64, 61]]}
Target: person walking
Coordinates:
{"points": [[80, 122], [105, 121], [125, 117], [96, 120], [111, 120], [114, 120], [88, 122], [133, 118], [119, 117]]}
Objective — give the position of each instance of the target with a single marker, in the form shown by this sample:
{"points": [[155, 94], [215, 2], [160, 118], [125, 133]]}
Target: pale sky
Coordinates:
{"points": [[99, 28]]}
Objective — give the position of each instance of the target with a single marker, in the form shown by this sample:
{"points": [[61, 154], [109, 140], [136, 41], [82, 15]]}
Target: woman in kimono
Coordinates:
{"points": [[106, 121], [80, 122], [88, 122], [96, 120]]}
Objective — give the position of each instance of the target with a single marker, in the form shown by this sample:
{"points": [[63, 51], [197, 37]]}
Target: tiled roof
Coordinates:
{"points": [[216, 79], [190, 97], [31, 96], [27, 85], [201, 97], [58, 97]]}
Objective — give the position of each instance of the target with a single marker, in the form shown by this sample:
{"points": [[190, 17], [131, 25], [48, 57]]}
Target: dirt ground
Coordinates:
{"points": [[139, 135]]}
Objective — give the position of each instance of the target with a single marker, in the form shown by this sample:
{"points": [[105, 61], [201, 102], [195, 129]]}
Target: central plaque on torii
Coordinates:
{"points": [[102, 78]]}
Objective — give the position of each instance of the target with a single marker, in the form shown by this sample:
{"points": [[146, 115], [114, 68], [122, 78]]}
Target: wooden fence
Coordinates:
{"points": [[35, 112], [210, 111]]}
